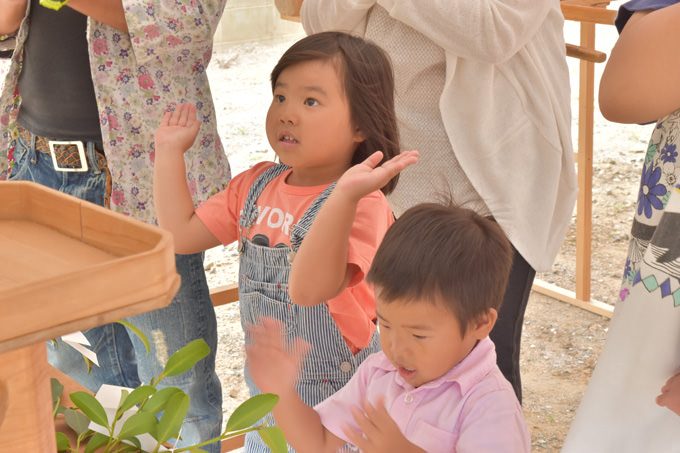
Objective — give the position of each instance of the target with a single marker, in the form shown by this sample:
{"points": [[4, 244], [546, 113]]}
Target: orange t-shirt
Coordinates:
{"points": [[280, 206]]}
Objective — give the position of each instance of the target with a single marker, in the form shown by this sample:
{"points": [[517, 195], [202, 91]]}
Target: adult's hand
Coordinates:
{"points": [[11, 14]]}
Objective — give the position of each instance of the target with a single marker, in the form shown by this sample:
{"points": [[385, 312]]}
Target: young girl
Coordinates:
{"points": [[332, 108]]}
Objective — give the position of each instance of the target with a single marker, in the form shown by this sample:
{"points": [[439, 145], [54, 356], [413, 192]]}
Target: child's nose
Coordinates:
{"points": [[398, 346], [288, 115]]}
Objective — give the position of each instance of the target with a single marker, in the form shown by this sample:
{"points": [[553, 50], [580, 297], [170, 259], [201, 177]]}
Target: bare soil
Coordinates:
{"points": [[560, 343]]}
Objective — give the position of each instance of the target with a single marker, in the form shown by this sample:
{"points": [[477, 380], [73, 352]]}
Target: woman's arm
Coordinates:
{"points": [[487, 30], [338, 15], [640, 81], [109, 12], [11, 14]]}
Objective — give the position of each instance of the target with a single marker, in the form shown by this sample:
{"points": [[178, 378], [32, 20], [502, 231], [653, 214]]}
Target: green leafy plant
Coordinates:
{"points": [[159, 413]]}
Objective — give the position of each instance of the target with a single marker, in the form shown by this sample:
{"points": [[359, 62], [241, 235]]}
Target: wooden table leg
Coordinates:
{"points": [[26, 422]]}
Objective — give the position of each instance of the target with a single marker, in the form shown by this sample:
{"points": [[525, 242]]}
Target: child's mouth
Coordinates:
{"points": [[288, 139], [405, 372]]}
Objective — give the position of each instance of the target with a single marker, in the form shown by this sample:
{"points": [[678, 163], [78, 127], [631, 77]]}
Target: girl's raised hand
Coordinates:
{"points": [[178, 129], [366, 177]]}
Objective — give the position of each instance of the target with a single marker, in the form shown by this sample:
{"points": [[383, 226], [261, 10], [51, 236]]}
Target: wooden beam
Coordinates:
{"points": [[589, 14], [561, 294], [222, 295]]}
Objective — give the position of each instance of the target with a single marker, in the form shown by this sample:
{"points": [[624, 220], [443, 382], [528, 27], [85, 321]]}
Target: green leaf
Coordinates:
{"points": [[185, 358], [137, 447], [97, 440], [159, 400], [57, 390], [251, 410], [137, 332], [173, 417], [63, 443], [139, 423], [90, 407], [274, 438], [136, 397], [77, 421]]}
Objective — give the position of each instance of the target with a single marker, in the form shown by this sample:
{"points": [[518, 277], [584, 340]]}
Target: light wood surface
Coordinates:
{"points": [[66, 265], [70, 265]]}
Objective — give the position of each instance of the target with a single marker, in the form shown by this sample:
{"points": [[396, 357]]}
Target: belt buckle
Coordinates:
{"points": [[81, 154]]}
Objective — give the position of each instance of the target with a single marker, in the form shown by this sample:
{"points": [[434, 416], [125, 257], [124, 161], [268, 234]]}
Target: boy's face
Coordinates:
{"points": [[422, 340], [309, 124]]}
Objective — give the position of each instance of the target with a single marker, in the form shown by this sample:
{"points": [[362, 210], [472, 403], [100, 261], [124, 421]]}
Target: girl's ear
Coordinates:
{"points": [[358, 135], [482, 325]]}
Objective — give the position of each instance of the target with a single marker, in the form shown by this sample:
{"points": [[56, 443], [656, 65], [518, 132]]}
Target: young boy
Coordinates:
{"points": [[435, 385]]}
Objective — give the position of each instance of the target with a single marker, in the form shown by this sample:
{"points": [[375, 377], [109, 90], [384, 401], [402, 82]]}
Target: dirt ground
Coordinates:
{"points": [[560, 342]]}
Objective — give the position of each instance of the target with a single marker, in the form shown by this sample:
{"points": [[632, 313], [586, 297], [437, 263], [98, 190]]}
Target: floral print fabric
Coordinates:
{"points": [[137, 77], [660, 173]]}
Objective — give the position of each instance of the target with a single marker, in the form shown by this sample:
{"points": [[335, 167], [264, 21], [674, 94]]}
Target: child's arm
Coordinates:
{"points": [[320, 270], [379, 433], [172, 200], [639, 82], [274, 369], [670, 394]]}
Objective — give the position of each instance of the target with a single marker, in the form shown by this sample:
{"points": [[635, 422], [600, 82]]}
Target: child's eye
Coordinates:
{"points": [[311, 102], [419, 337], [279, 98]]}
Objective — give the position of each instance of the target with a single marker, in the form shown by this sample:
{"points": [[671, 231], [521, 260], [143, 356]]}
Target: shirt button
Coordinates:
{"points": [[345, 367], [408, 398]]}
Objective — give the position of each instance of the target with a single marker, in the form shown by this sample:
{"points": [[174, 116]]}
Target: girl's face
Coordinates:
{"points": [[309, 125], [423, 340]]}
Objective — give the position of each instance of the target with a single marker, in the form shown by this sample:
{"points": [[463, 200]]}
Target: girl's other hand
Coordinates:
{"points": [[366, 177]]}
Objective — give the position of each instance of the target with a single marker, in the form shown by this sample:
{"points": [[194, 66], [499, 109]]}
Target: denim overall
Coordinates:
{"points": [[263, 291]]}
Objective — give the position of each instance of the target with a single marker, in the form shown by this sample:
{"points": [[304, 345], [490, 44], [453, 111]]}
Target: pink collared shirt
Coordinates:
{"points": [[472, 408]]}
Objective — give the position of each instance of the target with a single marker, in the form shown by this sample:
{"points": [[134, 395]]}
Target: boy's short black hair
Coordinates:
{"points": [[444, 254]]}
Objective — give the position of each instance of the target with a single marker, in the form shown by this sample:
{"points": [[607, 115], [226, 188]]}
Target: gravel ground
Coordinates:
{"points": [[561, 342]]}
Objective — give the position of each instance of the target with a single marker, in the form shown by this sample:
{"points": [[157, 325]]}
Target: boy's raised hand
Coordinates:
{"points": [[178, 129], [273, 364], [378, 431], [367, 177]]}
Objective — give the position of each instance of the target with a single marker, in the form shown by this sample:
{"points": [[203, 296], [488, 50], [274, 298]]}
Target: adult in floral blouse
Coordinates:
{"points": [[99, 74]]}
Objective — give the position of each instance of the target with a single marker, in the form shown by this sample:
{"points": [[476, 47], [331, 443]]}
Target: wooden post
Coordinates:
{"points": [[584, 161]]}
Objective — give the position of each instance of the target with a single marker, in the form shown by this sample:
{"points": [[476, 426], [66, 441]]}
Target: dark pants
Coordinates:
{"points": [[507, 333]]}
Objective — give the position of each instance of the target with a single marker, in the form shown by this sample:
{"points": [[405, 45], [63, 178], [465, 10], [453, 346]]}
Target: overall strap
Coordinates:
{"points": [[250, 212], [299, 230]]}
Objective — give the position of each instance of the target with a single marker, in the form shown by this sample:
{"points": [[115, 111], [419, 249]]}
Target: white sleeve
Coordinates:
{"points": [[488, 30], [340, 15]]}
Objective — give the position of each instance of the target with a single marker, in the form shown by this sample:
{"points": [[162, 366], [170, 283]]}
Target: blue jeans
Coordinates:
{"points": [[122, 356]]}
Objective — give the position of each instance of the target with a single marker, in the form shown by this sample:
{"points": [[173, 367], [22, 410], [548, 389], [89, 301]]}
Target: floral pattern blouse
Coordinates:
{"points": [[660, 173], [137, 77]]}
